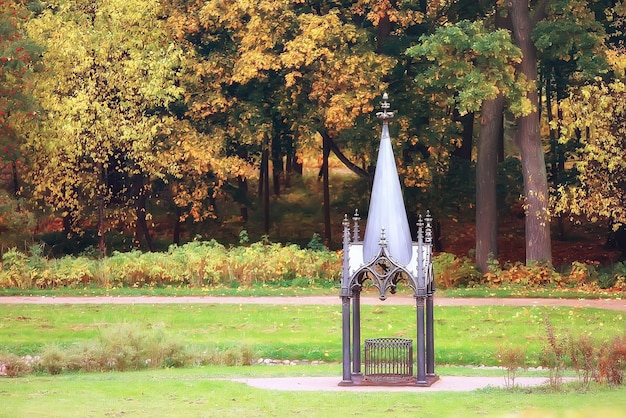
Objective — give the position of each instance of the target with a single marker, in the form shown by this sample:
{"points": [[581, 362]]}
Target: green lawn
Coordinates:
{"points": [[464, 334], [197, 393]]}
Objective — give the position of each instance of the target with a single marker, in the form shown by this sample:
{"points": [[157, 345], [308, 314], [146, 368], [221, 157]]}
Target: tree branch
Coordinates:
{"points": [[342, 157], [540, 12]]}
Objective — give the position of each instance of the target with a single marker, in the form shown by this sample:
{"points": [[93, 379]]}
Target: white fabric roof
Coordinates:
{"points": [[387, 209]]}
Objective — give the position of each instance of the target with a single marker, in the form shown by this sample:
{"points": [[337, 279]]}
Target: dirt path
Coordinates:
{"points": [[612, 304]]}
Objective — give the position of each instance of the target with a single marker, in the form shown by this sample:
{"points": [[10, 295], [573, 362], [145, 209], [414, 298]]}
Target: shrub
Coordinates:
{"points": [[13, 366], [584, 358], [452, 271], [612, 362], [54, 359], [511, 359], [553, 354], [241, 355], [534, 274]]}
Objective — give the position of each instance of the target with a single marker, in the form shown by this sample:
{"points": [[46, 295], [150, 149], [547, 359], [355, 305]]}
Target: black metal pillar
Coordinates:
{"points": [[421, 358], [356, 332], [430, 337], [345, 315]]}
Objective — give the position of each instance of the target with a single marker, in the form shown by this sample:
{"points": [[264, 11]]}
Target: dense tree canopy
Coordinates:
{"points": [[110, 75], [177, 102], [18, 56]]}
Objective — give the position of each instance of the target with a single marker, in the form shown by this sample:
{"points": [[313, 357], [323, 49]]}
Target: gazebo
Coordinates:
{"points": [[386, 256]]}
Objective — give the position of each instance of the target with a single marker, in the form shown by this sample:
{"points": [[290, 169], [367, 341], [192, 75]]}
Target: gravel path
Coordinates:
{"points": [[612, 304]]}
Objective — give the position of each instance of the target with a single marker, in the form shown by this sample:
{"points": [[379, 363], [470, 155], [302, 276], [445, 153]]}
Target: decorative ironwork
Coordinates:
{"points": [[356, 218], [385, 115], [388, 360]]}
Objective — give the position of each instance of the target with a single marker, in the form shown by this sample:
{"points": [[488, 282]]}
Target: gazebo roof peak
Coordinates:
{"points": [[387, 210], [385, 115]]}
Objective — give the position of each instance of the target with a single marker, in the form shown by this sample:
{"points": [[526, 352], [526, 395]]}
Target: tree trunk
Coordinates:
{"points": [[538, 244], [486, 172], [15, 179], [327, 220], [277, 165], [141, 225], [176, 233], [555, 149], [242, 184], [342, 157], [266, 190]]}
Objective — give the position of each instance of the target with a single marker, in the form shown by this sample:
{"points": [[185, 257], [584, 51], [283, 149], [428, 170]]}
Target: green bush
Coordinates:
{"points": [[196, 264], [452, 271]]}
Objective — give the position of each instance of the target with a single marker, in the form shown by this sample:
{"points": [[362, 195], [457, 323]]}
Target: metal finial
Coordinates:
{"points": [[420, 228], [383, 238], [428, 233], [385, 106], [355, 232]]}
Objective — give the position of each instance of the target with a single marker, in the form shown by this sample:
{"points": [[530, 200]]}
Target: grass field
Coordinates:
{"points": [[198, 393], [464, 336]]}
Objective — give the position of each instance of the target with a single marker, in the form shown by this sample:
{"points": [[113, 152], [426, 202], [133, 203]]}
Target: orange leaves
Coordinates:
{"points": [[377, 10]]}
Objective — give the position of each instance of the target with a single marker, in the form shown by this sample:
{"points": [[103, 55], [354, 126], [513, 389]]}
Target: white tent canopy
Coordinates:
{"points": [[387, 207]]}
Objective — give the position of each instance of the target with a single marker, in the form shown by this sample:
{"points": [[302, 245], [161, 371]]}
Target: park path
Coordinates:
{"points": [[611, 304]]}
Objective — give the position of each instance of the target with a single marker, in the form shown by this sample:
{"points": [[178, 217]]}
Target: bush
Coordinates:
{"points": [[231, 356], [452, 271], [13, 366], [612, 362], [511, 359], [553, 354], [196, 264]]}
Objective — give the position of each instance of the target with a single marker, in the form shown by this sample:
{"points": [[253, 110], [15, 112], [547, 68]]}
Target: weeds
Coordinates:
{"points": [[553, 354], [123, 347], [512, 359], [603, 362], [612, 362]]}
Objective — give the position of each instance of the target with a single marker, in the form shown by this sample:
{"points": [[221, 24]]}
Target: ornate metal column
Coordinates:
{"points": [[345, 305], [356, 331], [430, 318], [421, 358], [356, 308]]}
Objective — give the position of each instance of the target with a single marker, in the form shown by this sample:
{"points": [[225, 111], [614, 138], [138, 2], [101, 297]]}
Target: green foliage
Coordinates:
{"points": [[472, 64], [198, 264], [15, 216], [452, 271], [119, 347], [572, 38], [316, 243]]}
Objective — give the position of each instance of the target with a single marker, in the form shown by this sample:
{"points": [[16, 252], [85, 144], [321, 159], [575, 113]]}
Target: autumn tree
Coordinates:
{"points": [[110, 75], [476, 66], [18, 58], [274, 75], [594, 118]]}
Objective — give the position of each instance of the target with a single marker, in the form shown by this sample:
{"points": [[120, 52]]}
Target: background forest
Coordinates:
{"points": [[142, 123]]}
